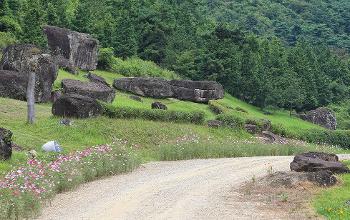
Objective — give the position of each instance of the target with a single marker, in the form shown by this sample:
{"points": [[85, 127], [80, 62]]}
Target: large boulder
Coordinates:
{"points": [[5, 144], [77, 106], [72, 49], [13, 84], [147, 87], [25, 58], [197, 91], [316, 161], [321, 116], [91, 89]]}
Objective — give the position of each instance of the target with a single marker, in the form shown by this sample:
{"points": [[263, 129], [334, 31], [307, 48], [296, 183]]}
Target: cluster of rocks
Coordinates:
{"points": [[195, 91], [16, 64], [321, 116], [79, 99], [71, 49], [319, 167]]}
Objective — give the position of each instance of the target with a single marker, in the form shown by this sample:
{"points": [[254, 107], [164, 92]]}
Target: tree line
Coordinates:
{"points": [[287, 54]]}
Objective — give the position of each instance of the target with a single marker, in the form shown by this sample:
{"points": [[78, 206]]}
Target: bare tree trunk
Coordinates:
{"points": [[31, 98]]}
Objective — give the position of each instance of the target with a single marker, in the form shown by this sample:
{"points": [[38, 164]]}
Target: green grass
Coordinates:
{"points": [[331, 203], [294, 126]]}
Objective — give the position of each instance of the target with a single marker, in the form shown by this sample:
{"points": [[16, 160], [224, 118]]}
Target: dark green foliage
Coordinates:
{"points": [[232, 121], [105, 58], [286, 54], [153, 114], [339, 138]]}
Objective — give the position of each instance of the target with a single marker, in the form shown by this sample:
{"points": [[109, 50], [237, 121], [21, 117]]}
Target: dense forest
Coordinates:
{"points": [[278, 53]]}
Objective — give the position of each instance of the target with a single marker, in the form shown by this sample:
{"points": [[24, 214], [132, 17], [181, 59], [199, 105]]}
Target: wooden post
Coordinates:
{"points": [[31, 97]]}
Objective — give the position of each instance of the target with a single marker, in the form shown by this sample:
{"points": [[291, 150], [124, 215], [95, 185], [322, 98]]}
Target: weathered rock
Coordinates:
{"points": [[13, 84], [197, 91], [24, 58], [313, 162], [159, 105], [97, 79], [72, 49], [215, 123], [266, 125], [55, 95], [136, 98], [147, 87], [321, 116], [295, 179], [94, 90], [270, 136], [253, 129], [5, 144], [78, 106], [66, 122]]}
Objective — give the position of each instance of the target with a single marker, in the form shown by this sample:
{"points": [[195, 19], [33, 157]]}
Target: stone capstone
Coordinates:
{"points": [[72, 49], [91, 89], [195, 91], [77, 106], [21, 59], [5, 144], [147, 87], [316, 161], [321, 116]]}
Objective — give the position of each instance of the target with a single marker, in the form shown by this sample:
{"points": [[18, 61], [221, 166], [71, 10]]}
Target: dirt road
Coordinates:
{"points": [[195, 189]]}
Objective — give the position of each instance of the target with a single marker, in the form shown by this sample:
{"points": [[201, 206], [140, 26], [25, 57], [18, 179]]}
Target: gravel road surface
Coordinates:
{"points": [[194, 189]]}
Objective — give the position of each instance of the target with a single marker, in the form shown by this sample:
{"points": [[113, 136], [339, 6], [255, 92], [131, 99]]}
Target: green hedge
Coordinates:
{"points": [[111, 111], [216, 107], [339, 138], [232, 121]]}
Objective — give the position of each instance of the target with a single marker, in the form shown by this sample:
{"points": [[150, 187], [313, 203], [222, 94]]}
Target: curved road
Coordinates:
{"points": [[194, 189]]}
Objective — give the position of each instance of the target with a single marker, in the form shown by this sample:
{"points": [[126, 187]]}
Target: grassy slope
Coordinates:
{"points": [[173, 141], [331, 203]]}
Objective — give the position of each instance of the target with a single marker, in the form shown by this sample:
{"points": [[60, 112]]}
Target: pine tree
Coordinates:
{"points": [[33, 22], [52, 17]]}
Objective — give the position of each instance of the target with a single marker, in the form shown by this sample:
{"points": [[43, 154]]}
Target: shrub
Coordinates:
{"points": [[231, 121], [196, 117], [136, 67], [339, 138], [106, 58], [216, 107]]}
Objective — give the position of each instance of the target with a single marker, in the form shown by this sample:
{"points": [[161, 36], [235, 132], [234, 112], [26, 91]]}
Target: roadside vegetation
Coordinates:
{"points": [[334, 203]]}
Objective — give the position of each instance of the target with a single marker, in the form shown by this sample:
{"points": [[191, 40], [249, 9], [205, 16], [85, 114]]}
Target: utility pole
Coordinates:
{"points": [[31, 98]]}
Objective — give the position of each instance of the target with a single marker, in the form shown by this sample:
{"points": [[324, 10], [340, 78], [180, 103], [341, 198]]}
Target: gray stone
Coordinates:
{"points": [[159, 105], [314, 162], [72, 49], [13, 84], [91, 89], [215, 123], [321, 116], [147, 87], [55, 95], [97, 79], [195, 91], [77, 106], [5, 144], [25, 58], [295, 179], [253, 129]]}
